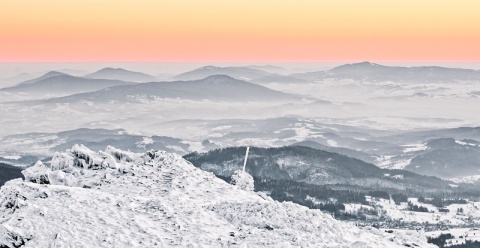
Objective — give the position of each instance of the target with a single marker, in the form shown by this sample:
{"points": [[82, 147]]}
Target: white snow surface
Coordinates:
{"points": [[114, 198]]}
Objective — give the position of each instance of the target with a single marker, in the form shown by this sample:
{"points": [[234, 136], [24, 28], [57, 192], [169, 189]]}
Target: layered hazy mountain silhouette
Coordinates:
{"points": [[26, 78], [44, 76], [254, 74], [243, 73], [424, 136], [268, 68], [14, 80], [277, 78], [364, 71], [59, 84], [367, 71], [215, 88], [121, 74]]}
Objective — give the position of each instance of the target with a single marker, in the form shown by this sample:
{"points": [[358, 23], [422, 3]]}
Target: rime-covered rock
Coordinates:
{"points": [[38, 173], [242, 180], [115, 198]]}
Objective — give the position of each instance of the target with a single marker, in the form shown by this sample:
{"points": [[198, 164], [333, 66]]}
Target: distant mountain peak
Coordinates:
{"points": [[210, 67], [111, 69], [49, 74], [120, 74], [24, 74], [357, 67], [363, 64], [366, 63], [53, 74], [219, 77], [243, 73]]}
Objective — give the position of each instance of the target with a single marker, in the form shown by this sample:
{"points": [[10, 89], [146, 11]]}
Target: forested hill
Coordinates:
{"points": [[8, 172], [312, 166]]}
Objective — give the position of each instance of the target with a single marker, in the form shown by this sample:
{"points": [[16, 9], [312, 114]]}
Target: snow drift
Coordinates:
{"points": [[115, 198]]}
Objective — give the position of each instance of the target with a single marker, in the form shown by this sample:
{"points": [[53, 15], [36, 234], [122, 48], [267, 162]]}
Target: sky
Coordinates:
{"points": [[239, 30]]}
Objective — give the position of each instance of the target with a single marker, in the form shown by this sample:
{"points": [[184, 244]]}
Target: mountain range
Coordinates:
{"points": [[277, 78], [213, 88], [363, 71], [268, 68], [24, 76], [55, 84], [367, 71]]}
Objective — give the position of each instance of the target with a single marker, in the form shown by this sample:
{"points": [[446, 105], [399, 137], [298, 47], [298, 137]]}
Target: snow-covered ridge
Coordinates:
{"points": [[115, 198]]}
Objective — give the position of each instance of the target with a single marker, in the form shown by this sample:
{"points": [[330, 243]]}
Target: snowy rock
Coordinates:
{"points": [[114, 198], [38, 173], [242, 180]]}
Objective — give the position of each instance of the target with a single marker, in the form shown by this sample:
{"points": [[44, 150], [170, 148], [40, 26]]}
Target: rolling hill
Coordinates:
{"points": [[213, 88], [308, 165], [60, 85], [121, 74], [366, 71], [242, 73]]}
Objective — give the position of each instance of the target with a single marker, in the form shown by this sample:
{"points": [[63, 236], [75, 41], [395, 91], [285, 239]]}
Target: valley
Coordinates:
{"points": [[384, 148]]}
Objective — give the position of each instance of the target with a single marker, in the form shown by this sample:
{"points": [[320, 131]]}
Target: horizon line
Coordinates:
{"points": [[247, 61]]}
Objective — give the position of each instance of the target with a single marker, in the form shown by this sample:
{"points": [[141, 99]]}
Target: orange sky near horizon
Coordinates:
{"points": [[239, 30]]}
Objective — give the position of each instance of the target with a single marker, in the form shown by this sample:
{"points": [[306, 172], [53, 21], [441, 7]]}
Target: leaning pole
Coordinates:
{"points": [[246, 156]]}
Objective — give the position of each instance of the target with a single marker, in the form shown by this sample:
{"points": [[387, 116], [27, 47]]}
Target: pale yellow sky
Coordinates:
{"points": [[239, 30]]}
